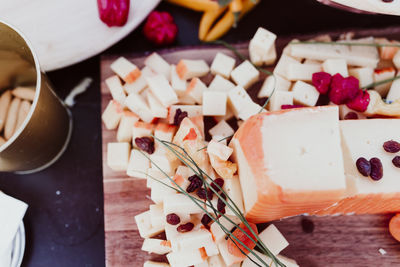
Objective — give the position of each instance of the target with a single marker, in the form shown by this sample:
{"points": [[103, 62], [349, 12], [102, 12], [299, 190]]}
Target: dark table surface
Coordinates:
{"points": [[64, 222]]}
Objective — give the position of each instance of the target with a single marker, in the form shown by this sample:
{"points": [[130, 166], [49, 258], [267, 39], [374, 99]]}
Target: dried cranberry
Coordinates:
{"points": [[343, 90], [391, 146], [220, 204], [173, 219], [205, 220], [145, 143], [160, 28], [202, 193], [360, 102], [376, 169], [322, 81], [179, 116], [291, 106], [195, 183], [364, 166], [187, 227], [220, 182], [396, 161], [351, 116]]}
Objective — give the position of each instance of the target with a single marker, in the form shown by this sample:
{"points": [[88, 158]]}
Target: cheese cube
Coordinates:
{"points": [[238, 99], [302, 72], [160, 160], [117, 91], [124, 133], [222, 65], [219, 233], [157, 246], [219, 150], [161, 89], [179, 203], [181, 177], [164, 132], [214, 103], [248, 263], [138, 165], [118, 156], [282, 66], [141, 129], [222, 129], [188, 68], [140, 84], [383, 74], [344, 111], [192, 111], [219, 83], [158, 110], [196, 89], [396, 60], [157, 217], [160, 190], [287, 261], [262, 42], [303, 173], [186, 100], [112, 115], [137, 104], [305, 94], [185, 258], [233, 190], [178, 84], [216, 261], [144, 226], [287, 50], [195, 240], [228, 115], [261, 59], [228, 258], [245, 74], [335, 65], [280, 98], [250, 110], [155, 264], [156, 63], [125, 69], [365, 138], [154, 174], [364, 75], [394, 92], [273, 239], [273, 83], [270, 57]]}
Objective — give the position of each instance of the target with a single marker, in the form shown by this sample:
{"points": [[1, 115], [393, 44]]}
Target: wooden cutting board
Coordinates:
{"points": [[347, 240]]}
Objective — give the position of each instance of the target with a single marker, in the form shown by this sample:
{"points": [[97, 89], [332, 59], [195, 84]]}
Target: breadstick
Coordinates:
{"points": [[5, 100], [22, 113], [2, 141], [25, 93], [12, 116]]}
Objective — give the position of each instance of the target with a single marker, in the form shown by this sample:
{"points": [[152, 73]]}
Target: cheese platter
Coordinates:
{"points": [[322, 205]]}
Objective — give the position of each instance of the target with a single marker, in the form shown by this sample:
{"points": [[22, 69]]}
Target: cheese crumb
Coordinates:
{"points": [[382, 251]]}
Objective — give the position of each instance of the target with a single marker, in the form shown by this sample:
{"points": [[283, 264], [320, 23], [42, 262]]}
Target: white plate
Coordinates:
{"points": [[64, 32], [17, 253]]}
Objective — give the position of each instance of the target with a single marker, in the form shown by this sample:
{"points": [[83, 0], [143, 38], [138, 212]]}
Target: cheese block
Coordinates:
{"points": [[228, 115], [162, 90], [178, 84], [155, 264], [305, 94], [112, 115], [273, 239], [337, 65], [158, 110], [140, 83], [383, 74], [195, 90], [282, 66], [144, 226], [219, 150], [138, 105], [160, 160], [124, 133], [195, 240], [157, 217], [159, 190], [261, 45], [228, 258], [117, 91], [238, 99], [249, 110], [157, 64], [234, 191], [222, 65], [394, 92], [219, 233], [118, 156], [280, 98], [188, 68], [302, 72], [181, 177], [138, 165], [364, 138], [364, 75], [154, 174], [164, 132], [214, 103], [282, 174], [157, 246], [125, 69], [179, 203], [273, 83], [245, 74], [222, 129], [219, 83], [186, 258]]}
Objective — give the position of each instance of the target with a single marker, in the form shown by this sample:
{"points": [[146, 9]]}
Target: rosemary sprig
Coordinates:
{"points": [[230, 47], [345, 43], [372, 85]]}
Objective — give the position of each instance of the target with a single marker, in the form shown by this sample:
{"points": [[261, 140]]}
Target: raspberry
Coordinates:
{"points": [[343, 90], [291, 106], [360, 102], [113, 12], [321, 81], [160, 28]]}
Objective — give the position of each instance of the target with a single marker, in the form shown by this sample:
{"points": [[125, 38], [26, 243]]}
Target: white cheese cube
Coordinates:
{"points": [[154, 174], [219, 150], [156, 63], [238, 99], [228, 258], [141, 129], [287, 261], [287, 50], [195, 240], [222, 128], [335, 65], [125, 69], [158, 109], [160, 190], [161, 89], [117, 91], [302, 72], [245, 74], [270, 57], [178, 84], [185, 258], [383, 74], [164, 132], [118, 156], [229, 115], [344, 111], [157, 217], [195, 90], [219, 233], [214, 103], [155, 264], [250, 110], [271, 83], [261, 59], [364, 75], [140, 84], [156, 246], [305, 94], [138, 165], [188, 68], [396, 60], [262, 42], [186, 100], [219, 139], [179, 203], [144, 226], [234, 191], [222, 65], [280, 98], [192, 111], [181, 177], [394, 92], [282, 66], [124, 133], [137, 104], [273, 239], [160, 160], [112, 115], [249, 263], [214, 203], [219, 83]]}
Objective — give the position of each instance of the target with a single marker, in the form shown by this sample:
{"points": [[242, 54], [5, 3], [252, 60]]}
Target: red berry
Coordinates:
{"points": [[360, 102], [291, 106], [113, 12], [322, 81], [160, 28], [343, 90]]}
